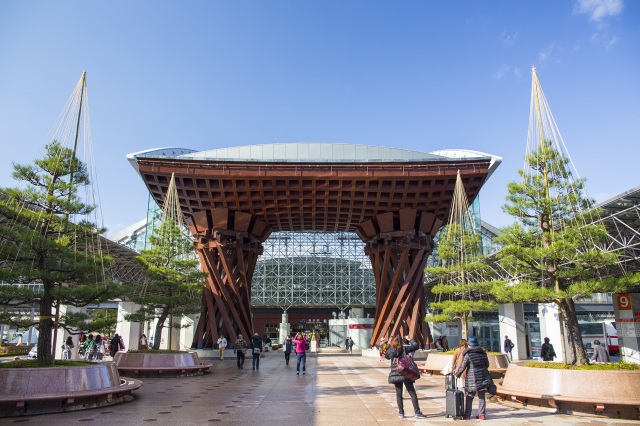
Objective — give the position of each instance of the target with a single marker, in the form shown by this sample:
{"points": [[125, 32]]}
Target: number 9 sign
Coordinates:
{"points": [[624, 301]]}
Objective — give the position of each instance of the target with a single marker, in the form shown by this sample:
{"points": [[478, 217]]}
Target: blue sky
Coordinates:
{"points": [[419, 75]]}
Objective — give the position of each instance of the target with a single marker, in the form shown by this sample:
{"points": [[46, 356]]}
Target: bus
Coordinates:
{"points": [[604, 331]]}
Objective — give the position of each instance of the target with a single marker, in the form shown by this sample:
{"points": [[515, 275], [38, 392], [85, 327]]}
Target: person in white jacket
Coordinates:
{"points": [[222, 345]]}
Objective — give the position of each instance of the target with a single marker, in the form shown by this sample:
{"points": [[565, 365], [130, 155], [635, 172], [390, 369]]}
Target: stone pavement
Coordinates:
{"points": [[338, 389]]}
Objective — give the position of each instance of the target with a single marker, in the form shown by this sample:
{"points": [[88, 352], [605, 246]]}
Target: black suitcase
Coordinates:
{"points": [[455, 404]]}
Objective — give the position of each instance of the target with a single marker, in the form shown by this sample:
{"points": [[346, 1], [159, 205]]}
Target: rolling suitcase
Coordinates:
{"points": [[449, 381], [455, 404], [454, 398]]}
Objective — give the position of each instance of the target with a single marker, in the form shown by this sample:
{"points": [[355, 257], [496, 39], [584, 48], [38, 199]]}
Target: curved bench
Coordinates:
{"points": [[436, 362], [159, 364], [27, 391], [553, 386]]}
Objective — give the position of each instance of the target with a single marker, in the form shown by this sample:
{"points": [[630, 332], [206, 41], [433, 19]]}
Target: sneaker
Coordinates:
{"points": [[254, 369], [465, 417], [401, 415], [481, 417], [419, 415], [304, 372], [297, 373]]}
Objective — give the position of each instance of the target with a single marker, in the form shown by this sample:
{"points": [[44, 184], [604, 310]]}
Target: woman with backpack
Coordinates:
{"points": [[547, 353], [393, 352]]}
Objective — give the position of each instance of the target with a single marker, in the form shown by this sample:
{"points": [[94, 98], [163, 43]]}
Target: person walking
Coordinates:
{"points": [[115, 346], [240, 347], [383, 348], [508, 347], [81, 341], [222, 345], [89, 348], [99, 348], [393, 352], [599, 353], [67, 346], [256, 349], [547, 353], [475, 363], [301, 353], [286, 348], [350, 345], [144, 343], [456, 362]]}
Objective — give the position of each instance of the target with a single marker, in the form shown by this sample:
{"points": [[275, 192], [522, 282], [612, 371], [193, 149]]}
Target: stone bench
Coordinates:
{"points": [[436, 362], [26, 391], [159, 364], [595, 388]]}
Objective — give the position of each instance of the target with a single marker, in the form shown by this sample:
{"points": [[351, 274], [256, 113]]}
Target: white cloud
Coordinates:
{"points": [[508, 39], [599, 10], [517, 73], [545, 55], [502, 71]]}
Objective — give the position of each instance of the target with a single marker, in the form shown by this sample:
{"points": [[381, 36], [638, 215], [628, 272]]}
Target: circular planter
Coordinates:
{"points": [[144, 364], [436, 362], [28, 391], [610, 392]]}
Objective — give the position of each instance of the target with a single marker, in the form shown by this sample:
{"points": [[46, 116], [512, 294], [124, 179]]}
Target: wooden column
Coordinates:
{"points": [[228, 244], [398, 245]]}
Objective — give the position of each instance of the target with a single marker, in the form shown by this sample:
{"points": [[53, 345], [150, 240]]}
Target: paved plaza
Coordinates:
{"points": [[338, 389]]}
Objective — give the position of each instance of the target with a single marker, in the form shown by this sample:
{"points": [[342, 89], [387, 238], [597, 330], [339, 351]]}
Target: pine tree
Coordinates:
{"points": [[461, 267], [40, 243], [554, 249], [175, 280]]}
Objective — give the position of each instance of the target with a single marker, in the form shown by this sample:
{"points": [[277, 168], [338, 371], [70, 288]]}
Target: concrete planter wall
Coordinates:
{"points": [[436, 362], [159, 364], [25, 391], [622, 386]]}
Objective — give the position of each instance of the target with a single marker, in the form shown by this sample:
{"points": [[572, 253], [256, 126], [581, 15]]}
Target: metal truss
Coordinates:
{"points": [[313, 269]]}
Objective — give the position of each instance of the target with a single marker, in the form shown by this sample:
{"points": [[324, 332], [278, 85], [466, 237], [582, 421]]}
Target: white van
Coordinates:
{"points": [[604, 331]]}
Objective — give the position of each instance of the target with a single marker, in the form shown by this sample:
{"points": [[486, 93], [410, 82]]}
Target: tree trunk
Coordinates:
{"points": [[577, 353], [159, 325], [45, 325]]}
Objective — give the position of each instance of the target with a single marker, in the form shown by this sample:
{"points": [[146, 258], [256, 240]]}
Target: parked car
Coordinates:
{"points": [[33, 353]]}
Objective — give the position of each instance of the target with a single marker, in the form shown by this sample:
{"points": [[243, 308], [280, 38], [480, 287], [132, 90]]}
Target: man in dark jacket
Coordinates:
{"points": [[475, 360], [256, 349], [508, 347]]}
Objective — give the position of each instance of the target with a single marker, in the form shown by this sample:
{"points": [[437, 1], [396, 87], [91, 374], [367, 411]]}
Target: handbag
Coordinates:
{"points": [[492, 388], [407, 367], [256, 350]]}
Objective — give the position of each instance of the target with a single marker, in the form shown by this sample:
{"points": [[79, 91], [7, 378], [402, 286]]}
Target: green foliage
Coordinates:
{"points": [[555, 248], [34, 363], [594, 367], [156, 351], [459, 252], [553, 245], [44, 240], [175, 280]]}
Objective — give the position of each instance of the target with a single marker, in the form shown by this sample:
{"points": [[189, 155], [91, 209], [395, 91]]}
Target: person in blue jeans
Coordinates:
{"points": [[256, 349], [301, 353]]}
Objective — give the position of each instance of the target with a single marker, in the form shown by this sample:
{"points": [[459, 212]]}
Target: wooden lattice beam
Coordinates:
{"points": [[228, 244], [398, 245]]}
